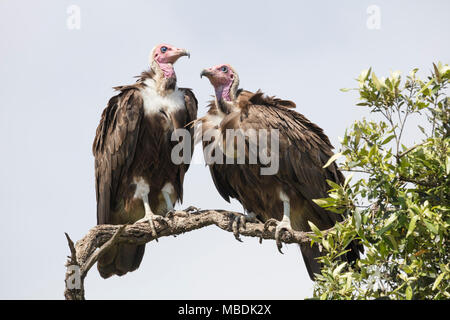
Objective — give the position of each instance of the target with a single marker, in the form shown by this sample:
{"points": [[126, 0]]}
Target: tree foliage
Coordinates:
{"points": [[398, 195]]}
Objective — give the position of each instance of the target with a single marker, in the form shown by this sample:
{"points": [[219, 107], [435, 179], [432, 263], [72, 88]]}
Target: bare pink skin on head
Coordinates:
{"points": [[165, 56], [221, 77]]}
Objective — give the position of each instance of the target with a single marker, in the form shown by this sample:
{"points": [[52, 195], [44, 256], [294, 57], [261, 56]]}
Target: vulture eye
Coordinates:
{"points": [[224, 69], [163, 49]]}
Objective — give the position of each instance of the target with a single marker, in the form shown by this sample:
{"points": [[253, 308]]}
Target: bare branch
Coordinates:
{"points": [[94, 257], [419, 182], [73, 253], [404, 153], [100, 238]]}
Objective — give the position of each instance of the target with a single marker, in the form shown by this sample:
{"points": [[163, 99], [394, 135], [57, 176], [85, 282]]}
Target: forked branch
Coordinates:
{"points": [[85, 253]]}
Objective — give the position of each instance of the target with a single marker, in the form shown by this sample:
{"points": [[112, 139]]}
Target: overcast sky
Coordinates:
{"points": [[55, 82]]}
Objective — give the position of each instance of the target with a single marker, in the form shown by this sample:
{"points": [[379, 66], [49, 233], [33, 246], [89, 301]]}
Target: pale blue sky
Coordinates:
{"points": [[55, 82]]}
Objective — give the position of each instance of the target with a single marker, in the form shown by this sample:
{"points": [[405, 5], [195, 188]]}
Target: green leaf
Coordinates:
{"points": [[326, 244], [345, 89], [387, 224], [332, 159], [314, 229], [339, 269], [333, 184], [438, 280], [376, 82], [357, 218], [422, 129], [412, 226], [372, 151], [426, 86], [413, 72], [347, 179], [324, 202], [437, 73], [392, 241], [408, 293], [431, 227], [447, 165], [388, 139]]}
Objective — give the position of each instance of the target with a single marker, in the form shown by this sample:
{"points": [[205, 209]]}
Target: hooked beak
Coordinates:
{"points": [[178, 53], [205, 72]]}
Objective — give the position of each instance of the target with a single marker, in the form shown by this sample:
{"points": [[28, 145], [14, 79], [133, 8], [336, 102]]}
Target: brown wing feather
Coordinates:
{"points": [[304, 148], [114, 146], [219, 172], [259, 98], [191, 104]]}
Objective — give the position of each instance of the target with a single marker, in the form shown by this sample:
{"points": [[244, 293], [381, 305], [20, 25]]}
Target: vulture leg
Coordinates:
{"points": [[240, 221], [166, 191], [149, 216], [168, 201], [285, 223]]}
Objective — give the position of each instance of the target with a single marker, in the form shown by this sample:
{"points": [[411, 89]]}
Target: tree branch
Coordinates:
{"points": [[404, 153], [419, 182], [100, 238]]}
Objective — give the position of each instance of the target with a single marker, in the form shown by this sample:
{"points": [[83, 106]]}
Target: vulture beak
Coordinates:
{"points": [[205, 72], [178, 53]]}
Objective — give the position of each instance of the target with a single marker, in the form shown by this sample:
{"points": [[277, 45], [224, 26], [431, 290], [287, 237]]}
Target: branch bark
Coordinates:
{"points": [[404, 153], [85, 253], [423, 183]]}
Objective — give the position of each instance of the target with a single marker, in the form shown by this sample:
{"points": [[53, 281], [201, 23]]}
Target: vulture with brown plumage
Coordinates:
{"points": [[136, 180], [303, 149]]}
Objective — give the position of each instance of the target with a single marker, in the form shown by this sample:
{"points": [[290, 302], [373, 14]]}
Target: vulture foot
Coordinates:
{"points": [[192, 209], [150, 220], [240, 221], [283, 225], [176, 213]]}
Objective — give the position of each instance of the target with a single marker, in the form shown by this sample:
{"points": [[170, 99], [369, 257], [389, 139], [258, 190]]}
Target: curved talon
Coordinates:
{"points": [[237, 221], [170, 214], [277, 238], [192, 209], [279, 227], [154, 233], [240, 220], [243, 221], [269, 223], [152, 226], [266, 226], [150, 221]]}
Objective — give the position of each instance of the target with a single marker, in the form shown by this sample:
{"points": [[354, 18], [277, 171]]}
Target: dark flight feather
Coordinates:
{"points": [[303, 151]]}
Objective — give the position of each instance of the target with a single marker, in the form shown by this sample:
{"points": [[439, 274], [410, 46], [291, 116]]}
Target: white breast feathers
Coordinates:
{"points": [[154, 102]]}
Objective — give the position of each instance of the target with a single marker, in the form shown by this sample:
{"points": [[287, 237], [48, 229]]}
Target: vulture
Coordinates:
{"points": [[285, 196], [135, 179]]}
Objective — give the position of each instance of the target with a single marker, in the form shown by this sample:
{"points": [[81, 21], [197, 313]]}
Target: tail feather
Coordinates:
{"points": [[310, 254], [120, 259]]}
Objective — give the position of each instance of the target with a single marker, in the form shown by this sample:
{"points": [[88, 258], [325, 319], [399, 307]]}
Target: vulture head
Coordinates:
{"points": [[163, 57], [225, 81]]}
